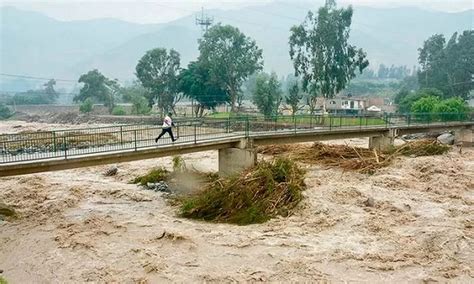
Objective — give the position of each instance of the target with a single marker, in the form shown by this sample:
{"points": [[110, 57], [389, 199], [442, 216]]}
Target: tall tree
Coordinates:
{"points": [[195, 83], [267, 94], [49, 88], [98, 88], [158, 71], [448, 67], [231, 57], [136, 94], [294, 97], [320, 51]]}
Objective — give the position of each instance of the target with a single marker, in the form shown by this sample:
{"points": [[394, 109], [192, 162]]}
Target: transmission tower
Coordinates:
{"points": [[204, 21]]}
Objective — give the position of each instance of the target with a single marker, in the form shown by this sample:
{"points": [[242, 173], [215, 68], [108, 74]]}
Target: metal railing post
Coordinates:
{"points": [[247, 126], [54, 142], [65, 147], [121, 135], [294, 122], [135, 138], [195, 138]]}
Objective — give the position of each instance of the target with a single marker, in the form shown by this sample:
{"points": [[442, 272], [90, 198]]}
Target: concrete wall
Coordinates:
{"points": [[234, 160]]}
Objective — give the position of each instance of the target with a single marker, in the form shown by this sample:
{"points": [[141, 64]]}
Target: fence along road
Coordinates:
{"points": [[29, 152]]}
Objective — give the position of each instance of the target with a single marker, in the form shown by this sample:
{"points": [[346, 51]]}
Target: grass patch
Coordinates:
{"points": [[153, 176], [258, 194], [3, 280]]}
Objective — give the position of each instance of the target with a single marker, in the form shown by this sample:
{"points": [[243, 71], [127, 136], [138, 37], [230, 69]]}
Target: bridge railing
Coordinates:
{"points": [[27, 146]]}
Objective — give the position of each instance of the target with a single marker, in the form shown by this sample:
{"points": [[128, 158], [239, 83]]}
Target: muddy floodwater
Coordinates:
{"points": [[79, 226]]}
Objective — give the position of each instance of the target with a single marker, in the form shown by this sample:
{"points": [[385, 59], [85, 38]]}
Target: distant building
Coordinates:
{"points": [[343, 105]]}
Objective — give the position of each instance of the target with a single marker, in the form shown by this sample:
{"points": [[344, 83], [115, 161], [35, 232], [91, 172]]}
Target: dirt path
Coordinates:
{"points": [[78, 226]]}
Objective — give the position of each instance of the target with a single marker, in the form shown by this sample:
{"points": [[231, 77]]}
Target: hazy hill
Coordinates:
{"points": [[37, 45], [34, 44]]}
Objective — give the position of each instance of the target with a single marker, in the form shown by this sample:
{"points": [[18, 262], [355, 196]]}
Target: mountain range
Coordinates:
{"points": [[36, 45]]}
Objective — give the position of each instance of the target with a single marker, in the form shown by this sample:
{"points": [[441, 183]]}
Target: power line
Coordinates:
{"points": [[36, 78], [35, 92]]}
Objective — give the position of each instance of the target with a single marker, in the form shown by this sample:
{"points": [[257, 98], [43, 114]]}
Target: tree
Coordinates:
{"points": [[98, 88], [383, 71], [425, 104], [158, 72], [267, 95], [49, 88], [137, 96], [452, 106], [5, 112], [448, 66], [432, 107], [230, 57], [86, 106], [405, 99], [195, 83], [294, 97], [321, 54]]}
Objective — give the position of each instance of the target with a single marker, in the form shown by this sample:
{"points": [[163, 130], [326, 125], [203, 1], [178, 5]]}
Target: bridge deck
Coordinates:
{"points": [[48, 151]]}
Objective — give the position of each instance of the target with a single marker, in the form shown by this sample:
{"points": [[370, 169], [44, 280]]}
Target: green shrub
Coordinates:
{"points": [[5, 112], [86, 106], [258, 194], [153, 176], [118, 110]]}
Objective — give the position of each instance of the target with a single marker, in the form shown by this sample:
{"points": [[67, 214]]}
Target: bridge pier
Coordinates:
{"points": [[384, 142], [235, 160], [464, 136], [380, 143]]}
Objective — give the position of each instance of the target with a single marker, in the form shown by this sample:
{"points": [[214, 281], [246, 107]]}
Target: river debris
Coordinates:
{"points": [[153, 176], [353, 158], [262, 192], [112, 171]]}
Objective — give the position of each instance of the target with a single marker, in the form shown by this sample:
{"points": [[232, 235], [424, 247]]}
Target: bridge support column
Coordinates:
{"points": [[464, 136], [383, 142], [235, 160]]}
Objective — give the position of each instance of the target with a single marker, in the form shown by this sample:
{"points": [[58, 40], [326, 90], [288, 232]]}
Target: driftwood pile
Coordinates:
{"points": [[353, 158], [256, 195]]}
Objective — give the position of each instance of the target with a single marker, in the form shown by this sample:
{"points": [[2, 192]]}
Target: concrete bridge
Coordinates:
{"points": [[235, 139]]}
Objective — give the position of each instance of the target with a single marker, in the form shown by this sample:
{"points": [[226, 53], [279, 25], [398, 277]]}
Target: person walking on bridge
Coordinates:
{"points": [[166, 128]]}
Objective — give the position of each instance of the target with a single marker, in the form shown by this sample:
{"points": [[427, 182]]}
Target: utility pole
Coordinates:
{"points": [[205, 22]]}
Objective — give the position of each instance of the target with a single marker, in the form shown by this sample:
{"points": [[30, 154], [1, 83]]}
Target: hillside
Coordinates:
{"points": [[37, 45]]}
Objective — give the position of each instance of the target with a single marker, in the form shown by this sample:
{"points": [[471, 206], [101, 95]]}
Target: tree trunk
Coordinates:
{"points": [[324, 109]]}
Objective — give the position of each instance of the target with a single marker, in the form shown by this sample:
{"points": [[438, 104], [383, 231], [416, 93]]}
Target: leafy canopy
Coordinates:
{"points": [[158, 72], [267, 94], [98, 88], [294, 97], [195, 82], [405, 99], [320, 51], [231, 57], [136, 94], [448, 67]]}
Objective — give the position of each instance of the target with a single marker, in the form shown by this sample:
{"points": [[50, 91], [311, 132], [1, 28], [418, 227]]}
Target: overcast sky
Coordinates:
{"points": [[157, 11]]}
